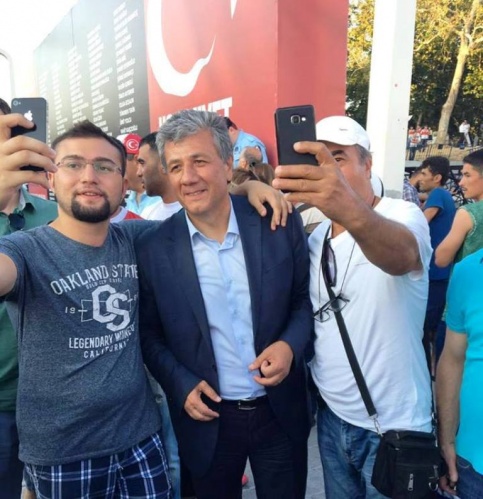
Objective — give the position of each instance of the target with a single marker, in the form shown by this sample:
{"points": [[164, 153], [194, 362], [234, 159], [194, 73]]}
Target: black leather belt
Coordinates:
{"points": [[247, 404]]}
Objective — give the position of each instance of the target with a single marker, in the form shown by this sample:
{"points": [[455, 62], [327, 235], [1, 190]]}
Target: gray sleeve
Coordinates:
{"points": [[12, 250]]}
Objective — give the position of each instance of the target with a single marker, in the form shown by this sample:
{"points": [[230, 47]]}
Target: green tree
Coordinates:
{"points": [[462, 30], [361, 19], [447, 83]]}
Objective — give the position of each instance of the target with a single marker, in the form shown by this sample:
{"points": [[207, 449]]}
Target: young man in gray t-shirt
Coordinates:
{"points": [[86, 416]]}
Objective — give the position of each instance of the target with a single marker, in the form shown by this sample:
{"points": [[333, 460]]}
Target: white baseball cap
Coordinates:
{"points": [[342, 130]]}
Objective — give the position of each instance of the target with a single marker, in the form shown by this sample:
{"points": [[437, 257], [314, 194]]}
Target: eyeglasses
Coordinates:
{"points": [[329, 264], [77, 165], [337, 304], [16, 221]]}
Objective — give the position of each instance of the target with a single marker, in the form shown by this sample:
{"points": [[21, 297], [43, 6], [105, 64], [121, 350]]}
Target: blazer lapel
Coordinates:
{"points": [[249, 224], [181, 256]]}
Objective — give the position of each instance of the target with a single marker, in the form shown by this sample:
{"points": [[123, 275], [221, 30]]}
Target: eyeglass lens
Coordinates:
{"points": [[335, 305], [329, 266]]}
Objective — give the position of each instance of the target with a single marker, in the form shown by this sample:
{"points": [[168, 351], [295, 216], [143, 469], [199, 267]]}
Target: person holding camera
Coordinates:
{"points": [[19, 210], [369, 269]]}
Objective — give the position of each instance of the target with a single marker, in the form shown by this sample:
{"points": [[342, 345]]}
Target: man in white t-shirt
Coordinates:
{"points": [[464, 130], [155, 181], [374, 252]]}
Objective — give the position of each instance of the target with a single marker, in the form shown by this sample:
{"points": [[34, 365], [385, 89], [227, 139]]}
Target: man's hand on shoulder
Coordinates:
{"points": [[259, 193], [274, 364]]}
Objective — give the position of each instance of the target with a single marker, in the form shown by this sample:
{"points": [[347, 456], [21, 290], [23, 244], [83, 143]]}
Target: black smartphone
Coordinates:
{"points": [[35, 110], [293, 124]]}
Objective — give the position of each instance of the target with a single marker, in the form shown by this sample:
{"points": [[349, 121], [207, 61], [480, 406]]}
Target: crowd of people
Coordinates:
{"points": [[136, 353], [420, 137]]}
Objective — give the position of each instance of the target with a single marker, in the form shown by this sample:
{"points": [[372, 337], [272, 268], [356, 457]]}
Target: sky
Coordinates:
{"points": [[24, 24]]}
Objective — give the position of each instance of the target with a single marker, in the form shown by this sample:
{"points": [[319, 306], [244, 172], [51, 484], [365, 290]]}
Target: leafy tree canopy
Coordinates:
{"points": [[448, 41]]}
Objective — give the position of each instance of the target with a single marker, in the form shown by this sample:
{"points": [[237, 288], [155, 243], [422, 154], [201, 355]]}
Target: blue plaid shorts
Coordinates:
{"points": [[138, 472]]}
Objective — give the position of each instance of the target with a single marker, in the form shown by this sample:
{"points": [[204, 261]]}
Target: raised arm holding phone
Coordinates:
{"points": [[340, 187], [374, 253], [18, 211]]}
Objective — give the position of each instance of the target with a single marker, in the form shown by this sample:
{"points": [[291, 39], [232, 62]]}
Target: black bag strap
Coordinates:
{"points": [[303, 207], [349, 349], [356, 369], [354, 363]]}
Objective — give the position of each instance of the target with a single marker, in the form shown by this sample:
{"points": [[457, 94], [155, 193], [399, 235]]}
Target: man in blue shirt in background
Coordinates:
{"points": [[241, 140], [439, 210]]}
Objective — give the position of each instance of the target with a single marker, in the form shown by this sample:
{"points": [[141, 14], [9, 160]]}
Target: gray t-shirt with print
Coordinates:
{"points": [[83, 391]]}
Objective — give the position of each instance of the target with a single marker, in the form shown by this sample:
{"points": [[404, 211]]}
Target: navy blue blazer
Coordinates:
{"points": [[175, 334]]}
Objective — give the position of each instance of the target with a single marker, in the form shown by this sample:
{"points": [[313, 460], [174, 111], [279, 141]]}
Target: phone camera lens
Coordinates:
{"points": [[295, 119], [15, 102]]}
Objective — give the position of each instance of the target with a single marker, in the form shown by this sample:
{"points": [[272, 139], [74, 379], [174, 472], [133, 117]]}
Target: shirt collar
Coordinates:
{"points": [[21, 199], [232, 225], [132, 195], [27, 200]]}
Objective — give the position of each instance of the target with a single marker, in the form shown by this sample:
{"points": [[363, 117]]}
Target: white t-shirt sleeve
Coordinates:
{"points": [[409, 215]]}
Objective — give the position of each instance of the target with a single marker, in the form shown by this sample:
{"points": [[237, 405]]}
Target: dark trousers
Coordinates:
{"points": [[11, 468], [278, 464], [440, 337], [434, 312]]}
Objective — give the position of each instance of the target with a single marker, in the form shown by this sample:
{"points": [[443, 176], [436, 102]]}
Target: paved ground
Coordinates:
{"points": [[315, 480]]}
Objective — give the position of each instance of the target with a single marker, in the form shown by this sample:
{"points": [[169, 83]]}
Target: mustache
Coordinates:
{"points": [[95, 191]]}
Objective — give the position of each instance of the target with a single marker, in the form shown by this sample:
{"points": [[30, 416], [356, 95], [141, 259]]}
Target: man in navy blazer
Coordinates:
{"points": [[225, 318]]}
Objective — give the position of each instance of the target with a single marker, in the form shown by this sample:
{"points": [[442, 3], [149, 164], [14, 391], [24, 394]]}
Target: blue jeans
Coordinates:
{"points": [[470, 482], [11, 469], [347, 453]]}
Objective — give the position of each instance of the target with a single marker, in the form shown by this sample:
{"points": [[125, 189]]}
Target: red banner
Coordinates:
{"points": [[244, 58]]}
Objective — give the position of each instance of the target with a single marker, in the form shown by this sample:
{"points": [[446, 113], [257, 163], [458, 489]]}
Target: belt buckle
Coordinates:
{"points": [[247, 407]]}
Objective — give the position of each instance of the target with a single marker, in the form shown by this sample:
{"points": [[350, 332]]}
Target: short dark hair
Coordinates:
{"points": [[149, 139], [229, 123], [437, 165], [475, 159], [240, 176], [363, 153], [4, 107], [263, 171], [251, 160], [86, 129]]}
